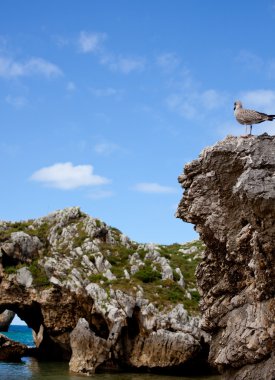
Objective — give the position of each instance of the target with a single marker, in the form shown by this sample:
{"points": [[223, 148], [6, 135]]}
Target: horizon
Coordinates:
{"points": [[103, 103]]}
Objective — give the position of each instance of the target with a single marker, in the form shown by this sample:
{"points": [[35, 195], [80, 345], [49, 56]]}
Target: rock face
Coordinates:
{"points": [[10, 350], [5, 319], [230, 197], [97, 299]]}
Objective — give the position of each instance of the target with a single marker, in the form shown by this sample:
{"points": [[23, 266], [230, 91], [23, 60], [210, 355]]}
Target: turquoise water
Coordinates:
{"points": [[31, 369], [21, 334]]}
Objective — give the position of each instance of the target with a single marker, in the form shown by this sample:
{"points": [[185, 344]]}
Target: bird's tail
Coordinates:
{"points": [[271, 117]]}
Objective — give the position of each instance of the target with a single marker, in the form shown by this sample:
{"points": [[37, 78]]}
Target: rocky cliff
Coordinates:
{"points": [[229, 195], [99, 300]]}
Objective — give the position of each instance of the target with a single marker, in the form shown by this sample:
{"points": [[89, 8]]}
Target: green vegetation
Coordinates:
{"points": [[118, 256], [12, 269], [176, 276], [13, 227], [147, 274], [39, 275], [187, 262], [81, 235], [162, 293], [41, 231], [97, 277], [98, 223], [116, 233]]}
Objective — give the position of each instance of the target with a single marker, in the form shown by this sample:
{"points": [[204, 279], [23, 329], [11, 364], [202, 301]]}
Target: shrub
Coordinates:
{"points": [[81, 236], [38, 273], [175, 293], [10, 269], [147, 274], [176, 276], [97, 277]]}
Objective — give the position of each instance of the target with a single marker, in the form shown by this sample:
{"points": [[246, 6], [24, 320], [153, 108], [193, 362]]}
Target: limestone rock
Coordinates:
{"points": [[21, 248], [97, 299], [24, 277], [5, 319], [229, 194], [88, 350], [163, 349], [10, 350]]}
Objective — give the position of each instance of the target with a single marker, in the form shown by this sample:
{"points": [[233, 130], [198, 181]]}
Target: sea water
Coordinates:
{"points": [[32, 369]]}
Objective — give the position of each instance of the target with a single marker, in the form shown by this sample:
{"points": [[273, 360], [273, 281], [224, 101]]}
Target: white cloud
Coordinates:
{"points": [[168, 61], [65, 176], [90, 42], [212, 99], [93, 42], [261, 100], [154, 188], [250, 60], [16, 101], [105, 92], [105, 148], [253, 62], [71, 87], [10, 68], [189, 100], [122, 64], [194, 104]]}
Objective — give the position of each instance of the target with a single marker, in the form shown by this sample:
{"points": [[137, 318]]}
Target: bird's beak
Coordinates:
{"points": [[234, 107]]}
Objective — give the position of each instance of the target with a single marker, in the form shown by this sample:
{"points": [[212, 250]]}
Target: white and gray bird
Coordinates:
{"points": [[249, 117]]}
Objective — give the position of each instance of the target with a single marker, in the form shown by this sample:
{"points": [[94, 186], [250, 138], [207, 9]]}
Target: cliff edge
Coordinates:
{"points": [[229, 195]]}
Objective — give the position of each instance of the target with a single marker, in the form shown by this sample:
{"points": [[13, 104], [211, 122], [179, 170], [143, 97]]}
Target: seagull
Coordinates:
{"points": [[249, 117]]}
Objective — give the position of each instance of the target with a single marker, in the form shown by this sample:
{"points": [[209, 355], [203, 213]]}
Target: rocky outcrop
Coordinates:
{"points": [[229, 195], [5, 319], [11, 351], [97, 299], [88, 349]]}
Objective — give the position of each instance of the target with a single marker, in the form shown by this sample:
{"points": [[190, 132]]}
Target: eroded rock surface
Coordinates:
{"points": [[5, 319], [97, 299], [10, 350], [230, 197]]}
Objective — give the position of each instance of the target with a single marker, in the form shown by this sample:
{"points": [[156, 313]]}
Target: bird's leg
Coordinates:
{"points": [[250, 130]]}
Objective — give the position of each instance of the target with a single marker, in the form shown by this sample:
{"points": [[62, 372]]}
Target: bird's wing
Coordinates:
{"points": [[251, 117]]}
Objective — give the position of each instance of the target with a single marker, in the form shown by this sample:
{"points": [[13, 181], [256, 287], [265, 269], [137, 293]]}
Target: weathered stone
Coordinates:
{"points": [[88, 350], [230, 197], [24, 277], [163, 349], [5, 319], [10, 350], [21, 248], [84, 302]]}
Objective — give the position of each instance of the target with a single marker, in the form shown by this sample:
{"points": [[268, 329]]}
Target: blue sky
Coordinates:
{"points": [[103, 102]]}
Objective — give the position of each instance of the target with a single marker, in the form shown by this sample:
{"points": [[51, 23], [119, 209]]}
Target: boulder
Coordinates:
{"points": [[10, 350]]}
